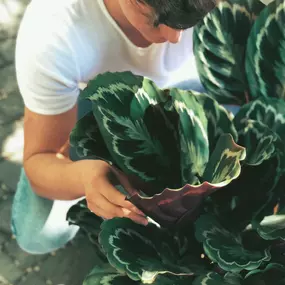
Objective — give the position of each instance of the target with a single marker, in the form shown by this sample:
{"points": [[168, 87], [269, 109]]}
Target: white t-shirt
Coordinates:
{"points": [[62, 44]]}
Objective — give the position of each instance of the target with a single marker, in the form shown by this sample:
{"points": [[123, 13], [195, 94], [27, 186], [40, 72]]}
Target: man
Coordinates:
{"points": [[60, 45]]}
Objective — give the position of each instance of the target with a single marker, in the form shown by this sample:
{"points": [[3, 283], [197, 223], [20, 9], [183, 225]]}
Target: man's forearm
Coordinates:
{"points": [[54, 177]]}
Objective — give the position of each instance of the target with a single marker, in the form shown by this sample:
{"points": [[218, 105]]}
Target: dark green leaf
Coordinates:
{"points": [[219, 120], [133, 123], [143, 253], [225, 247], [265, 57], [219, 46], [194, 148]]}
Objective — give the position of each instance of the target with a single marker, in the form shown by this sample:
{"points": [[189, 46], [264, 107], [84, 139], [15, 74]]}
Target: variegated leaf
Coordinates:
{"points": [[219, 46], [265, 55], [178, 206], [260, 141], [87, 140], [267, 111], [224, 164], [145, 252], [194, 143], [219, 120], [135, 127], [226, 248]]}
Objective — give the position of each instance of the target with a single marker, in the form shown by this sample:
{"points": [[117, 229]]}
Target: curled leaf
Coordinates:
{"points": [[178, 206]]}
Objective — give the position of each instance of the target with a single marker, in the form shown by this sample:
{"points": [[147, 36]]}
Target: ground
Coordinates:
{"points": [[67, 266]]}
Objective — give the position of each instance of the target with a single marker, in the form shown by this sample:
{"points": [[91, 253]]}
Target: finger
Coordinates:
{"points": [[101, 213], [109, 208], [116, 197], [135, 217]]}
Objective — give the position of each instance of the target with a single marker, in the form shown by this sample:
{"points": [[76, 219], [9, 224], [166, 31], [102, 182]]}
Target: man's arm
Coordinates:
{"points": [[51, 173]]}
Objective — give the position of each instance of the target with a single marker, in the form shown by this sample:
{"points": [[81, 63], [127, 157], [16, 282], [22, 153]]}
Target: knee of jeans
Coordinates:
{"points": [[44, 243], [32, 247]]}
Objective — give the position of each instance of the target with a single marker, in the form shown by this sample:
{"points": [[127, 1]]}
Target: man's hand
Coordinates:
{"points": [[98, 179]]}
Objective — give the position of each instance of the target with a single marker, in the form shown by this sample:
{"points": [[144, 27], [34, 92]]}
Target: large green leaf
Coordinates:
{"points": [[249, 198], [143, 253], [219, 120], [219, 46], [202, 122], [178, 206], [225, 247], [265, 55], [193, 135], [273, 274], [135, 127]]}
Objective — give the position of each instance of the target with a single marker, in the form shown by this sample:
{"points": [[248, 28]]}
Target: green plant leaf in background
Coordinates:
{"points": [[260, 141], [225, 247], [143, 253], [267, 111], [265, 55], [219, 47]]}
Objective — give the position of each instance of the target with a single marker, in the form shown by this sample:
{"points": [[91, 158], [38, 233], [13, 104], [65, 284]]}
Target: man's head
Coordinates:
{"points": [[164, 20]]}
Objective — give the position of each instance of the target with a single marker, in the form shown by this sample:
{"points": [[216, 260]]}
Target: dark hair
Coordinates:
{"points": [[180, 14]]}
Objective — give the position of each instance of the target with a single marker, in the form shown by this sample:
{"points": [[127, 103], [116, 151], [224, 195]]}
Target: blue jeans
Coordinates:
{"points": [[39, 224]]}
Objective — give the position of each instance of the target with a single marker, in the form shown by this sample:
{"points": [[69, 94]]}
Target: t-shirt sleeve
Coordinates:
{"points": [[46, 69]]}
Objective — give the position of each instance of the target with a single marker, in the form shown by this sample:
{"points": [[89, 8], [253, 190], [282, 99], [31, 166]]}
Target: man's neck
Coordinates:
{"points": [[117, 14]]}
